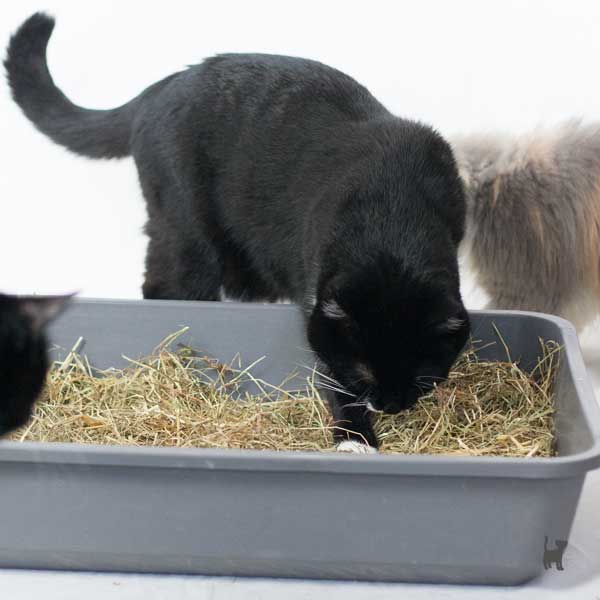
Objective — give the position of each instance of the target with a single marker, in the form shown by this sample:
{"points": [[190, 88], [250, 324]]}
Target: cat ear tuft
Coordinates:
{"points": [[452, 325], [40, 310], [332, 310]]}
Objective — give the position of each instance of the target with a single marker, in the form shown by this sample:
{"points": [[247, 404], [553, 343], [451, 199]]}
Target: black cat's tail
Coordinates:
{"points": [[93, 133]]}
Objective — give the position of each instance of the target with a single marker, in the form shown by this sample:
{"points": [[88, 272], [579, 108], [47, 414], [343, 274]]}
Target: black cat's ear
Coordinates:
{"points": [[40, 310], [332, 310], [328, 304], [451, 325]]}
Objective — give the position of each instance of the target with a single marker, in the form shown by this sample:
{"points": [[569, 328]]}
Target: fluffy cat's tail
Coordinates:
{"points": [[92, 133]]}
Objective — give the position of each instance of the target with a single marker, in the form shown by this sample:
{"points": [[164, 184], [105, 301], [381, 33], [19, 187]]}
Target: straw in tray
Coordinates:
{"points": [[484, 409]]}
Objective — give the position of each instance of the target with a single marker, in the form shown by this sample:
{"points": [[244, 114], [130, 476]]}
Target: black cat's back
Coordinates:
{"points": [[265, 86], [279, 111], [217, 103]]}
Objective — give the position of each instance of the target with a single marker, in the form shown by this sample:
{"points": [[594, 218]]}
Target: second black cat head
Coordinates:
{"points": [[387, 335], [23, 354]]}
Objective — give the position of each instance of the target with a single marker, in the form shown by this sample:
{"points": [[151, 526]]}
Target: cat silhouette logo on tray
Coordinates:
{"points": [[554, 555]]}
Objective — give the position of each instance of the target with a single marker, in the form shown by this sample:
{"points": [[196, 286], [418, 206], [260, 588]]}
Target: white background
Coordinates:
{"points": [[68, 223]]}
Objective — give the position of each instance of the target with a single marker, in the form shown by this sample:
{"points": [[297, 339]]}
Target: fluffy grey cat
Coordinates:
{"points": [[533, 218]]}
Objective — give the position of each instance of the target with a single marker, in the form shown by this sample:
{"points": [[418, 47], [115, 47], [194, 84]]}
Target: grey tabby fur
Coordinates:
{"points": [[533, 218]]}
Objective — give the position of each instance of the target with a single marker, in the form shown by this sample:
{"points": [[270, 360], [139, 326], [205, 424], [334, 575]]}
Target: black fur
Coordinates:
{"points": [[23, 360], [272, 177]]}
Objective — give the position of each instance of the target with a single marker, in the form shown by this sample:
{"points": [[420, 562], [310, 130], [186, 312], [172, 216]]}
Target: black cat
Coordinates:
{"points": [[23, 360], [270, 177]]}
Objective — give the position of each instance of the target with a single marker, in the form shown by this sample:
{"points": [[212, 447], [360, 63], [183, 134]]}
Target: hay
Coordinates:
{"points": [[484, 409]]}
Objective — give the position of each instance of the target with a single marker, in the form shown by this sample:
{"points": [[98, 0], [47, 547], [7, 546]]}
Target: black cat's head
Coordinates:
{"points": [[23, 360], [387, 335]]}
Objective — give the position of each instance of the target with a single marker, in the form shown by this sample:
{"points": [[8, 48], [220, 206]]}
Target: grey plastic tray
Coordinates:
{"points": [[396, 518]]}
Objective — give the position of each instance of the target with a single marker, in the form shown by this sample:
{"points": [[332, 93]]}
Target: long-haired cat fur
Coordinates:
{"points": [[271, 177], [23, 360], [533, 218]]}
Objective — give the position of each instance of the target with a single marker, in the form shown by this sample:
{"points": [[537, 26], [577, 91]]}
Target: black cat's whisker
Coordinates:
{"points": [[321, 374], [328, 378], [354, 404], [422, 389], [336, 389], [330, 383], [365, 403], [434, 377], [362, 401]]}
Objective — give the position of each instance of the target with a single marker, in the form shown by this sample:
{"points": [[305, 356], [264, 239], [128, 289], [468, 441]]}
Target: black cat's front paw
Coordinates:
{"points": [[353, 431], [354, 447]]}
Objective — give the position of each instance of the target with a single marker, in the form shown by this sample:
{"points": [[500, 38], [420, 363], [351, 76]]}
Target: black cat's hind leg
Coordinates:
{"points": [[181, 270], [183, 261]]}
